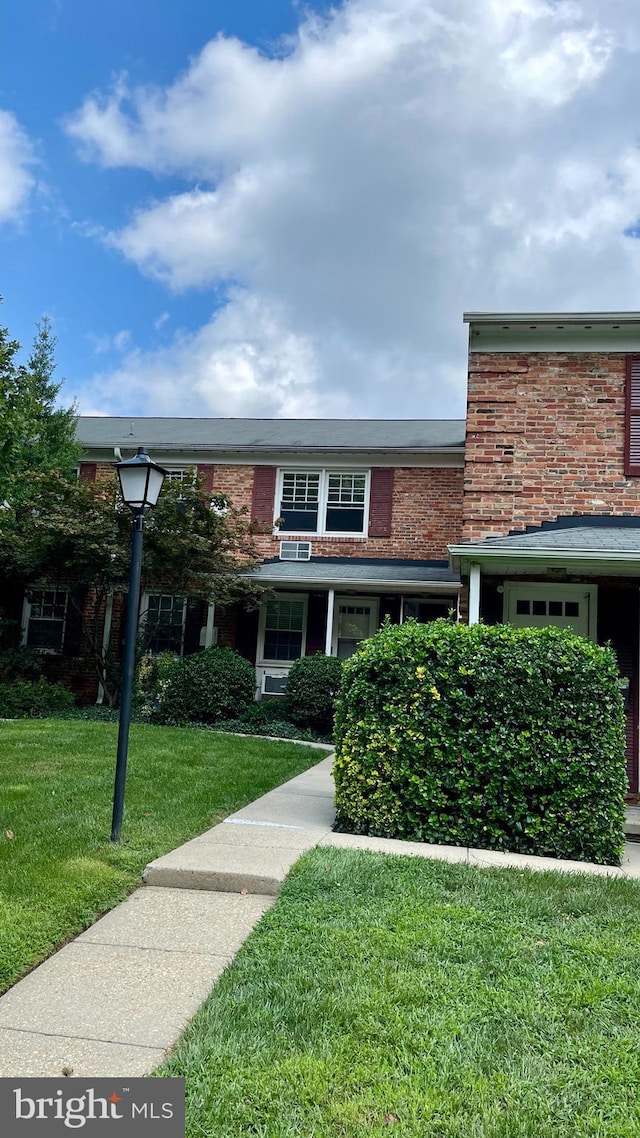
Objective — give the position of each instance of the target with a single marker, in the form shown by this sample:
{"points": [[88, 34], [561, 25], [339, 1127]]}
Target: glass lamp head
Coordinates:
{"points": [[140, 480]]}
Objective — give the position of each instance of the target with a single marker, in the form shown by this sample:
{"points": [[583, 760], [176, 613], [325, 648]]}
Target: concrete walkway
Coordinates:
{"points": [[113, 1001]]}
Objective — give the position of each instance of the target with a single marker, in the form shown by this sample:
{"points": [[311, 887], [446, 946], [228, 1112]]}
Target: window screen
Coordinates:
{"points": [[345, 503], [299, 502], [283, 629], [165, 623], [47, 616]]}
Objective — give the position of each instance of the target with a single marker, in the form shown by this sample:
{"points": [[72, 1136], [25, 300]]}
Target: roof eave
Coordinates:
{"points": [[551, 317], [476, 553], [360, 582]]}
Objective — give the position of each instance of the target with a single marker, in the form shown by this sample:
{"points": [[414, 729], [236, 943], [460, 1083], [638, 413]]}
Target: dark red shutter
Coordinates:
{"points": [[195, 619], [88, 471], [264, 492], [73, 623], [381, 502], [632, 425], [206, 475]]}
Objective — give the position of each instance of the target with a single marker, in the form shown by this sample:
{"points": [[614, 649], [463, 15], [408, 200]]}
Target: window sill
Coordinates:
{"points": [[319, 536]]}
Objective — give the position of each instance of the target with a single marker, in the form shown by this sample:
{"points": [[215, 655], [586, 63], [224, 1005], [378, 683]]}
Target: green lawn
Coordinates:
{"points": [[58, 870], [393, 996]]}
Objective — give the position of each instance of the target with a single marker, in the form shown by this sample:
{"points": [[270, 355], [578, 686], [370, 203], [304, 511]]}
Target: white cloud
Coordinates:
{"points": [[16, 160], [116, 342], [398, 161]]}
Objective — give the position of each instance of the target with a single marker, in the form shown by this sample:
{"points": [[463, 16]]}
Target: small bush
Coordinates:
{"points": [[312, 687], [32, 699], [483, 736], [211, 685]]}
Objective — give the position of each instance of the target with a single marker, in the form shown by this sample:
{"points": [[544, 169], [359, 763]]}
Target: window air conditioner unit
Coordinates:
{"points": [[295, 550], [274, 683]]}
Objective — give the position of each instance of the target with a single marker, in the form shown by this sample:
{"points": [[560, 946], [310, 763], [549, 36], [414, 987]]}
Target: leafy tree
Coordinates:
{"points": [[79, 533], [57, 529], [35, 434]]}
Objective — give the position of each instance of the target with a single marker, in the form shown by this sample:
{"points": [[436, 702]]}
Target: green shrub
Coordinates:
{"points": [[483, 736], [312, 687], [30, 699], [274, 728], [205, 687]]}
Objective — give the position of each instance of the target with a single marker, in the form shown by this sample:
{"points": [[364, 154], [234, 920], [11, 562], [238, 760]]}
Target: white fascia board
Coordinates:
{"points": [[551, 317], [184, 456], [340, 583], [514, 560], [478, 554]]}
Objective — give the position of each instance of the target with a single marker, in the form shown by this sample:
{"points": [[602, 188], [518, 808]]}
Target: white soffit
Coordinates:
{"points": [[553, 331]]}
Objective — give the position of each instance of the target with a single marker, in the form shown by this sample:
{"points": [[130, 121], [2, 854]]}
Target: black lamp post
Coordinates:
{"points": [[141, 482]]}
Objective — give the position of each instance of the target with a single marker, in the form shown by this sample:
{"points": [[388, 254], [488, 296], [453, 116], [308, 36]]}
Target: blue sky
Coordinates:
{"points": [[255, 207], [52, 53]]}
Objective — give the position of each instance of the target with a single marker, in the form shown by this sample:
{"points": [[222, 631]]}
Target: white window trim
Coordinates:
{"points": [[323, 493], [374, 618], [26, 618], [177, 473], [144, 609], [425, 598], [541, 591], [261, 659]]}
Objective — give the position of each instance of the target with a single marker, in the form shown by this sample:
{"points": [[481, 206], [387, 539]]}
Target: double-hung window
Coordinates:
{"points": [[284, 628], [164, 616], [322, 501], [45, 617]]}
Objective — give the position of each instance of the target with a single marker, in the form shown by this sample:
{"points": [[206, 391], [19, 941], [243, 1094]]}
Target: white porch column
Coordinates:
{"points": [[211, 616], [331, 596], [474, 594]]}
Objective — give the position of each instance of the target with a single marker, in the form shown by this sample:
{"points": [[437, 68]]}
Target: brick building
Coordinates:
{"points": [[551, 515], [532, 516], [357, 518]]}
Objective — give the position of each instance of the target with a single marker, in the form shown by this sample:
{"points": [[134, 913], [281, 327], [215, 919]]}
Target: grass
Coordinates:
{"points": [[58, 870], [393, 996]]}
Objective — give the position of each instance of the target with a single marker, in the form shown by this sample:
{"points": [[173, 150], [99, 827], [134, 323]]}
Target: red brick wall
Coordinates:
{"points": [[427, 515], [545, 436]]}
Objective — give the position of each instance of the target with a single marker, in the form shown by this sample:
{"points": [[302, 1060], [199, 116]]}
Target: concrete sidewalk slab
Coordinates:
{"points": [[244, 833], [496, 859], [113, 994], [281, 806], [226, 868], [178, 920], [394, 846], [28, 1054]]}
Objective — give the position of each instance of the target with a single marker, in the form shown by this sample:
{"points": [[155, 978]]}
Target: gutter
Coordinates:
{"points": [[551, 317], [347, 583]]}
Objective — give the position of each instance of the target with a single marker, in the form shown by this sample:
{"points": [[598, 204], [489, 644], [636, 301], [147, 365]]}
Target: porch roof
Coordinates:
{"points": [[399, 575], [597, 537]]}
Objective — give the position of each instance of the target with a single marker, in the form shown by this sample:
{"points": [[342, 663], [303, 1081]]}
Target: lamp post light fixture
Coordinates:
{"points": [[140, 482]]}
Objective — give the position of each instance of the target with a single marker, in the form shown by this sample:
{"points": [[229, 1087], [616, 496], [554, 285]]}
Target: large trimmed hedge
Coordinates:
{"points": [[483, 736]]}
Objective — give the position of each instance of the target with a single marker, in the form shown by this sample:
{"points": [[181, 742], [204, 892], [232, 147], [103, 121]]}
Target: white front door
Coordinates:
{"points": [[539, 605], [354, 619]]}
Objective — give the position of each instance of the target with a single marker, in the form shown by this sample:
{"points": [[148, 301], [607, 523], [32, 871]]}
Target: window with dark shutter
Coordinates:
{"points": [[381, 502], [632, 432], [264, 493], [88, 471]]}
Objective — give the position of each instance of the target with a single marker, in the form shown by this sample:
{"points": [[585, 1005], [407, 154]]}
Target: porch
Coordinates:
{"points": [[580, 572], [331, 604]]}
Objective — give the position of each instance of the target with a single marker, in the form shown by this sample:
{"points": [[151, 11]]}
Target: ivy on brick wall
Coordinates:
{"points": [[485, 736]]}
